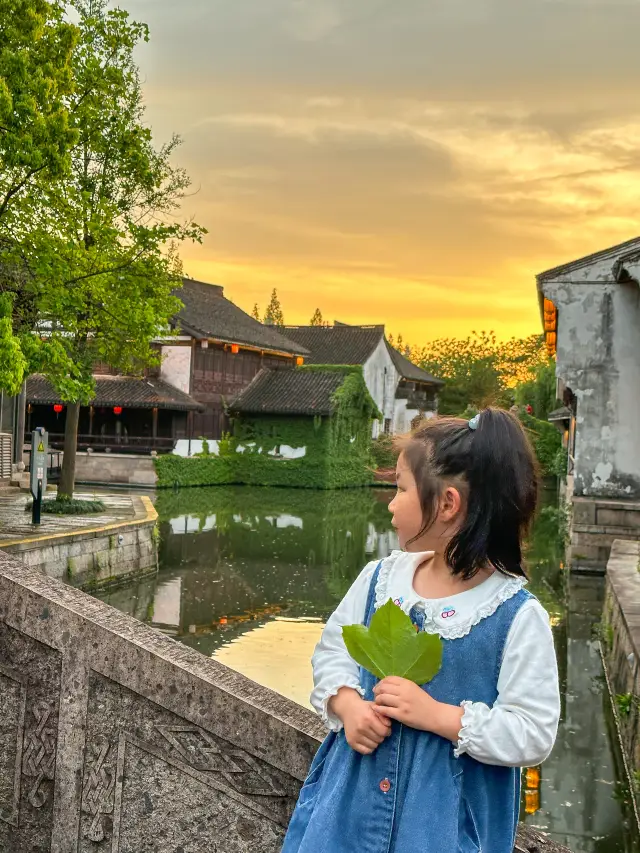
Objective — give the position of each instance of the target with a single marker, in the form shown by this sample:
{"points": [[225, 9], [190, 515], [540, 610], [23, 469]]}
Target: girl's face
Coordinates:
{"points": [[408, 516]]}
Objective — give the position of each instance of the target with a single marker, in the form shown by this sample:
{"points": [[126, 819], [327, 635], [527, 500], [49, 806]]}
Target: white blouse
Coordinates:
{"points": [[520, 729]]}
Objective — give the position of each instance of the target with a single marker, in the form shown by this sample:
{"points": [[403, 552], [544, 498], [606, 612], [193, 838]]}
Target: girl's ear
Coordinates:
{"points": [[450, 504]]}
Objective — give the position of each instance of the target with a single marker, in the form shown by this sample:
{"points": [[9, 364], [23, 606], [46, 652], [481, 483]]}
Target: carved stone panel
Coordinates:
{"points": [[162, 804], [29, 696], [154, 781], [13, 699]]}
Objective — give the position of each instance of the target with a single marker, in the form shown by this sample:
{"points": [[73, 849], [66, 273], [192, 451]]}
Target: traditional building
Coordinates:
{"points": [[128, 414], [401, 390], [305, 427], [591, 314], [219, 350]]}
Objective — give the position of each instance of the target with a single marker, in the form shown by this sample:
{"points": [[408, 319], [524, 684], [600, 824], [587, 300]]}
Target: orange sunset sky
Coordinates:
{"points": [[407, 162]]}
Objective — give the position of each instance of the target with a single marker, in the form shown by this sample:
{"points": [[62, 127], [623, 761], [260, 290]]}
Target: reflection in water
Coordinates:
{"points": [[249, 575]]}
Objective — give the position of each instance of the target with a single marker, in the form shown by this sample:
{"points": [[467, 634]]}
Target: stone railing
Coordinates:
{"points": [[620, 642], [116, 739]]}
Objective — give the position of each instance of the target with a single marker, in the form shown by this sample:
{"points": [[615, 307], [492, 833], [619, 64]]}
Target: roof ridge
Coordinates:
{"points": [[586, 259], [336, 325]]}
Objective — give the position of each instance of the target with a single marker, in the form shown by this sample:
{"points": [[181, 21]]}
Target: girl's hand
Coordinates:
{"points": [[364, 727], [408, 703]]}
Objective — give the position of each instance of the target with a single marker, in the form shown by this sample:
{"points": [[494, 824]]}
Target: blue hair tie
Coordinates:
{"points": [[473, 423]]}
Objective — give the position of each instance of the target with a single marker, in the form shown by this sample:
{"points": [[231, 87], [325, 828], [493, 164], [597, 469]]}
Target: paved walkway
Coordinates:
{"points": [[15, 520]]}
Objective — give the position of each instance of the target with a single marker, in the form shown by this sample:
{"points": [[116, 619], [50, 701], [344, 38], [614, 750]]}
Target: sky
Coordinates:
{"points": [[407, 162]]}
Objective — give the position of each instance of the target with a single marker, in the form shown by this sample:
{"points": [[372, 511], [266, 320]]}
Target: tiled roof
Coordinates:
{"points": [[209, 314], [126, 391], [613, 251], [289, 392], [408, 370], [339, 344]]}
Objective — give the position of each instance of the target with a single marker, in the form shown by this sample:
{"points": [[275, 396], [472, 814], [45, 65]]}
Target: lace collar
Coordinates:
{"points": [[451, 617]]}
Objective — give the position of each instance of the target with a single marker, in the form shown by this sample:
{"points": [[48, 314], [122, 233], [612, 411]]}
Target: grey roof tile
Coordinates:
{"points": [[209, 314], [339, 344], [289, 392], [127, 391]]}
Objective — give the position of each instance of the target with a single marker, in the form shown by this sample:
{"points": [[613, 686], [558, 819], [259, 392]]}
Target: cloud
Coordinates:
{"points": [[400, 160]]}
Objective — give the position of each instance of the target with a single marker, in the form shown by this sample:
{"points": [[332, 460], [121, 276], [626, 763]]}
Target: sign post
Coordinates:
{"points": [[38, 473]]}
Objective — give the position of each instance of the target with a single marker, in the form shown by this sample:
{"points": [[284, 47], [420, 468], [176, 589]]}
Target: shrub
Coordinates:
{"points": [[69, 506], [382, 451]]}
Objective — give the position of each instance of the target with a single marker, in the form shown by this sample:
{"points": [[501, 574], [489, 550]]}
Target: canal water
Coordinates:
{"points": [[249, 575]]}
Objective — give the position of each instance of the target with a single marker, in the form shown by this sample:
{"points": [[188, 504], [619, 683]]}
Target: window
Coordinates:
{"points": [[387, 425]]}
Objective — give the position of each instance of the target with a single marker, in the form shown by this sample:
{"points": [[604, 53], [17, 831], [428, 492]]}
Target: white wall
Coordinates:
{"points": [[176, 366], [403, 416], [382, 385], [598, 358]]}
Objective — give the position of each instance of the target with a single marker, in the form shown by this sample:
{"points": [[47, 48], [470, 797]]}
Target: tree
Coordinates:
{"points": [[479, 370], [273, 315], [103, 254], [255, 313], [317, 320], [35, 139], [36, 80], [539, 391], [12, 361]]}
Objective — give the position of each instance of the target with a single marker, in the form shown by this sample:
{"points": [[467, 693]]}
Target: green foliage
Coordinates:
{"points": [[273, 315], [392, 646], [383, 453], [560, 463], [100, 247], [70, 506], [205, 452], [226, 445], [317, 319], [12, 361], [539, 391], [546, 441], [338, 449], [255, 313], [36, 82], [479, 370], [624, 703], [603, 631]]}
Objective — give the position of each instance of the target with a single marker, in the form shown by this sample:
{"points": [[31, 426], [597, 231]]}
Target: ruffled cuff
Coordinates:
{"points": [[472, 720], [333, 723]]}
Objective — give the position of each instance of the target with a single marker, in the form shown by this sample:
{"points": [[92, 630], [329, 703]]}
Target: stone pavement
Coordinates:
{"points": [[15, 521]]}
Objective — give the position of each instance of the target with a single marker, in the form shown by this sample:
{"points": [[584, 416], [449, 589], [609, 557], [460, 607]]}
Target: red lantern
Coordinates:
{"points": [[58, 408], [299, 361], [235, 349], [117, 410]]}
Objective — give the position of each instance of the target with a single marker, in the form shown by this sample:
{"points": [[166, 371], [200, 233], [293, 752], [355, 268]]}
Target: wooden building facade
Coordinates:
{"points": [[218, 352]]}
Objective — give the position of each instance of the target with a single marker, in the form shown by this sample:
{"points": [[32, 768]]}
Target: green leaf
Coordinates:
{"points": [[391, 646]]}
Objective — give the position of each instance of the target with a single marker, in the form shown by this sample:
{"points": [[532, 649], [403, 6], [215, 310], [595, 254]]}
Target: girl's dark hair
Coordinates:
{"points": [[495, 470]]}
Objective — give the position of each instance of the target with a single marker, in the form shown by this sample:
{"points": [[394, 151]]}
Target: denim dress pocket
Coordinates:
{"points": [[469, 839], [310, 785]]}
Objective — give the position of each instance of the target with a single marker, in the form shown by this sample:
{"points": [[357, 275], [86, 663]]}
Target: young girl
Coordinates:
{"points": [[435, 769]]}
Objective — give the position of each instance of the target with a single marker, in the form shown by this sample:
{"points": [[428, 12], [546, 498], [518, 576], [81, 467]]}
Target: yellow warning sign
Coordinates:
{"points": [[41, 448]]}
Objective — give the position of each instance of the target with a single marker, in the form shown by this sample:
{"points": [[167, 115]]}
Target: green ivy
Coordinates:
{"points": [[546, 441], [338, 448], [560, 462], [383, 453]]}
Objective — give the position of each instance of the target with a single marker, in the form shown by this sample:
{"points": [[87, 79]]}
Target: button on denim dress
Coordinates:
{"points": [[412, 795]]}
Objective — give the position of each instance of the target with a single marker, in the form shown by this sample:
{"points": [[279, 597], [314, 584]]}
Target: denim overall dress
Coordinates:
{"points": [[412, 795]]}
